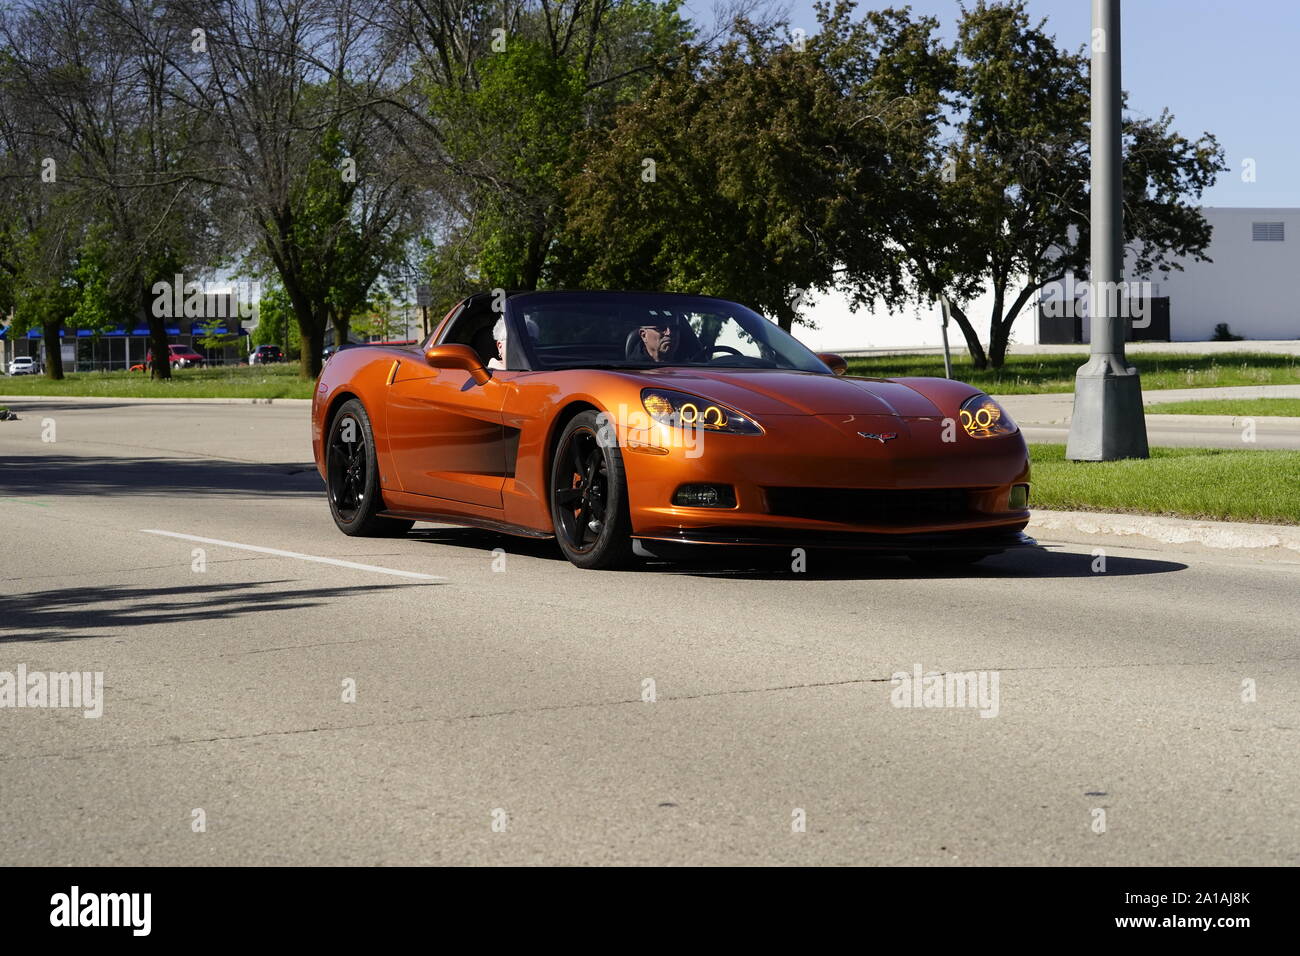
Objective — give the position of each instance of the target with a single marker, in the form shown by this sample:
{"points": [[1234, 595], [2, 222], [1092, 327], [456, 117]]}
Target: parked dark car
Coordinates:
{"points": [[266, 355]]}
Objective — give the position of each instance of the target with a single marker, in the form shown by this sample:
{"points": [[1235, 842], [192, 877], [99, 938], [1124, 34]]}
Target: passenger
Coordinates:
{"points": [[499, 336]]}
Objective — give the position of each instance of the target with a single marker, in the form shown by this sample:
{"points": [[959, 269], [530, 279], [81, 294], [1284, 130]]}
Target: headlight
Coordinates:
{"points": [[984, 418], [687, 411]]}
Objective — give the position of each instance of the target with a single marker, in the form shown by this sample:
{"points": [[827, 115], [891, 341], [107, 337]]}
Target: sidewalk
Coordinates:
{"points": [[1255, 541], [1269, 346], [1055, 409]]}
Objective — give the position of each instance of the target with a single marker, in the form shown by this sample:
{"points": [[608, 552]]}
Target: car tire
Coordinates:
{"points": [[588, 495], [352, 476]]}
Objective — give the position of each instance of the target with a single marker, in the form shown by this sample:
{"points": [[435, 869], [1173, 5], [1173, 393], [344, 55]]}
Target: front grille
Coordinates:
{"points": [[876, 506]]}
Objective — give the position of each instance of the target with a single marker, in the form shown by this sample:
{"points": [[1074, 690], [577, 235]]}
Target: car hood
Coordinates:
{"points": [[780, 392]]}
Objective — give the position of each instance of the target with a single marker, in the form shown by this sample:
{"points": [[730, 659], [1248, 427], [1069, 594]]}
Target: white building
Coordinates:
{"points": [[1255, 255], [1249, 283]]}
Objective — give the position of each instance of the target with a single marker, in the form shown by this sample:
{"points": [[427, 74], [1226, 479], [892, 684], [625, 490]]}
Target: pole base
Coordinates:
{"points": [[1108, 421]]}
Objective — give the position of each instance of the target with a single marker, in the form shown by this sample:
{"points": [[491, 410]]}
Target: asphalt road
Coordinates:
{"points": [[515, 697]]}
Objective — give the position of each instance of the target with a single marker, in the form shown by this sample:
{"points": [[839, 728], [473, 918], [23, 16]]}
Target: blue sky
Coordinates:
{"points": [[1231, 67]]}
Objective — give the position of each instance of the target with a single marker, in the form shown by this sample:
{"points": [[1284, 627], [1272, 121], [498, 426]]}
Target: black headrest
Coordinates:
{"points": [[484, 344], [633, 348]]}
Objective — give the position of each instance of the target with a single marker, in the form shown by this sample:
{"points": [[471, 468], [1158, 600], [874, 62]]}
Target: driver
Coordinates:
{"points": [[659, 340]]}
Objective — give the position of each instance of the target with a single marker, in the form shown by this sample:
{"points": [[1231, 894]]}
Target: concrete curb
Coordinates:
{"points": [[101, 400], [1274, 542]]}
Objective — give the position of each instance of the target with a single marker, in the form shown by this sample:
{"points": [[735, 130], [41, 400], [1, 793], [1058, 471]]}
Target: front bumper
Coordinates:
{"points": [[816, 481], [986, 540]]}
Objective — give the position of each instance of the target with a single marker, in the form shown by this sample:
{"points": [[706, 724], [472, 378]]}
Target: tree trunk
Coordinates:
{"points": [[977, 356], [313, 342], [160, 365], [532, 273], [1000, 327], [53, 350], [342, 325], [312, 323], [784, 316], [999, 336]]}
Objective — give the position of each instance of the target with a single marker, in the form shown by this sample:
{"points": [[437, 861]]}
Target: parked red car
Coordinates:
{"points": [[182, 356]]}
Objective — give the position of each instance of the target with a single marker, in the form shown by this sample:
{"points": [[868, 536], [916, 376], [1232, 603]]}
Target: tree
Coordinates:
{"points": [[728, 177], [289, 93], [386, 319], [504, 94], [115, 147], [992, 188], [62, 282], [276, 324]]}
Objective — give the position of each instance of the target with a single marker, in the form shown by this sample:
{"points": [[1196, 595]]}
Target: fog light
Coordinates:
{"points": [[705, 496], [1018, 500]]}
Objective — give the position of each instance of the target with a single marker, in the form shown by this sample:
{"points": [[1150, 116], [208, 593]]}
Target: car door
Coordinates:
{"points": [[445, 433]]}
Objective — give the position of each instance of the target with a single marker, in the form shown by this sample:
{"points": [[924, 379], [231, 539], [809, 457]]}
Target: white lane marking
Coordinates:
{"points": [[294, 554]]}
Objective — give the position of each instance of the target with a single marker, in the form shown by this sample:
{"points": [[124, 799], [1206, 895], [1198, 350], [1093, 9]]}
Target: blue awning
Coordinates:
{"points": [[39, 334]]}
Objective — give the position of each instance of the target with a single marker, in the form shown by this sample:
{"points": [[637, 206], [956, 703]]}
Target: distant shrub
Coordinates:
{"points": [[1224, 334]]}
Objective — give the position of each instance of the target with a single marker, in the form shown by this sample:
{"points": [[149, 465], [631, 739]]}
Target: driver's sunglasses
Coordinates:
{"points": [[659, 328]]}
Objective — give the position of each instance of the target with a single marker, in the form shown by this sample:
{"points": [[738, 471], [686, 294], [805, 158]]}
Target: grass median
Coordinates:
{"points": [[222, 381], [1028, 374], [1237, 407], [1206, 483]]}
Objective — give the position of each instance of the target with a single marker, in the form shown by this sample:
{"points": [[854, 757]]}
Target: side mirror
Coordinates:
{"points": [[836, 362], [458, 356]]}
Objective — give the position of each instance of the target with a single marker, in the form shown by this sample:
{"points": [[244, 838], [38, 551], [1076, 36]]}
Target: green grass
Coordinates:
{"points": [[226, 381], [1239, 407], [1022, 374], [1209, 483], [1025, 374]]}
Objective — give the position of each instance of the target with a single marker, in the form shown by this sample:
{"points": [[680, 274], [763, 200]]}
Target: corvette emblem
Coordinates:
{"points": [[881, 437]]}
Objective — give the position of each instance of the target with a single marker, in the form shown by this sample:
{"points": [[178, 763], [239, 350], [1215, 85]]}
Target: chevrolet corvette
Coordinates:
{"points": [[628, 424]]}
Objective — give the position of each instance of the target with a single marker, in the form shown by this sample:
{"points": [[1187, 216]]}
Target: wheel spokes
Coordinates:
{"points": [[348, 466], [581, 503]]}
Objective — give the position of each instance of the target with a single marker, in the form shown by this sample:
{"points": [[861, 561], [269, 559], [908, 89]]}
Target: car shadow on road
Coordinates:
{"points": [[68, 613], [476, 539], [84, 475], [777, 563], [1010, 565]]}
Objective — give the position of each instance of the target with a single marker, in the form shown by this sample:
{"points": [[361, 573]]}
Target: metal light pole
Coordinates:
{"points": [[1108, 422], [945, 307]]}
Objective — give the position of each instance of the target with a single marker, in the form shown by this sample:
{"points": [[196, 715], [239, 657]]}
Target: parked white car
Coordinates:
{"points": [[24, 365]]}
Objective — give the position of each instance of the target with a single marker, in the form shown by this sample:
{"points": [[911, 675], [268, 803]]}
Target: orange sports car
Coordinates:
{"points": [[625, 424]]}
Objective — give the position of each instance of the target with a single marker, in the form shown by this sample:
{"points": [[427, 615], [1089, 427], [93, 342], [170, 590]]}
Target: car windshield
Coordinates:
{"points": [[643, 330]]}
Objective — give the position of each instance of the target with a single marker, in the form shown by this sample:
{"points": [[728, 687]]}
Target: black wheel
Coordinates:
{"points": [[948, 559], [352, 476], [589, 496]]}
